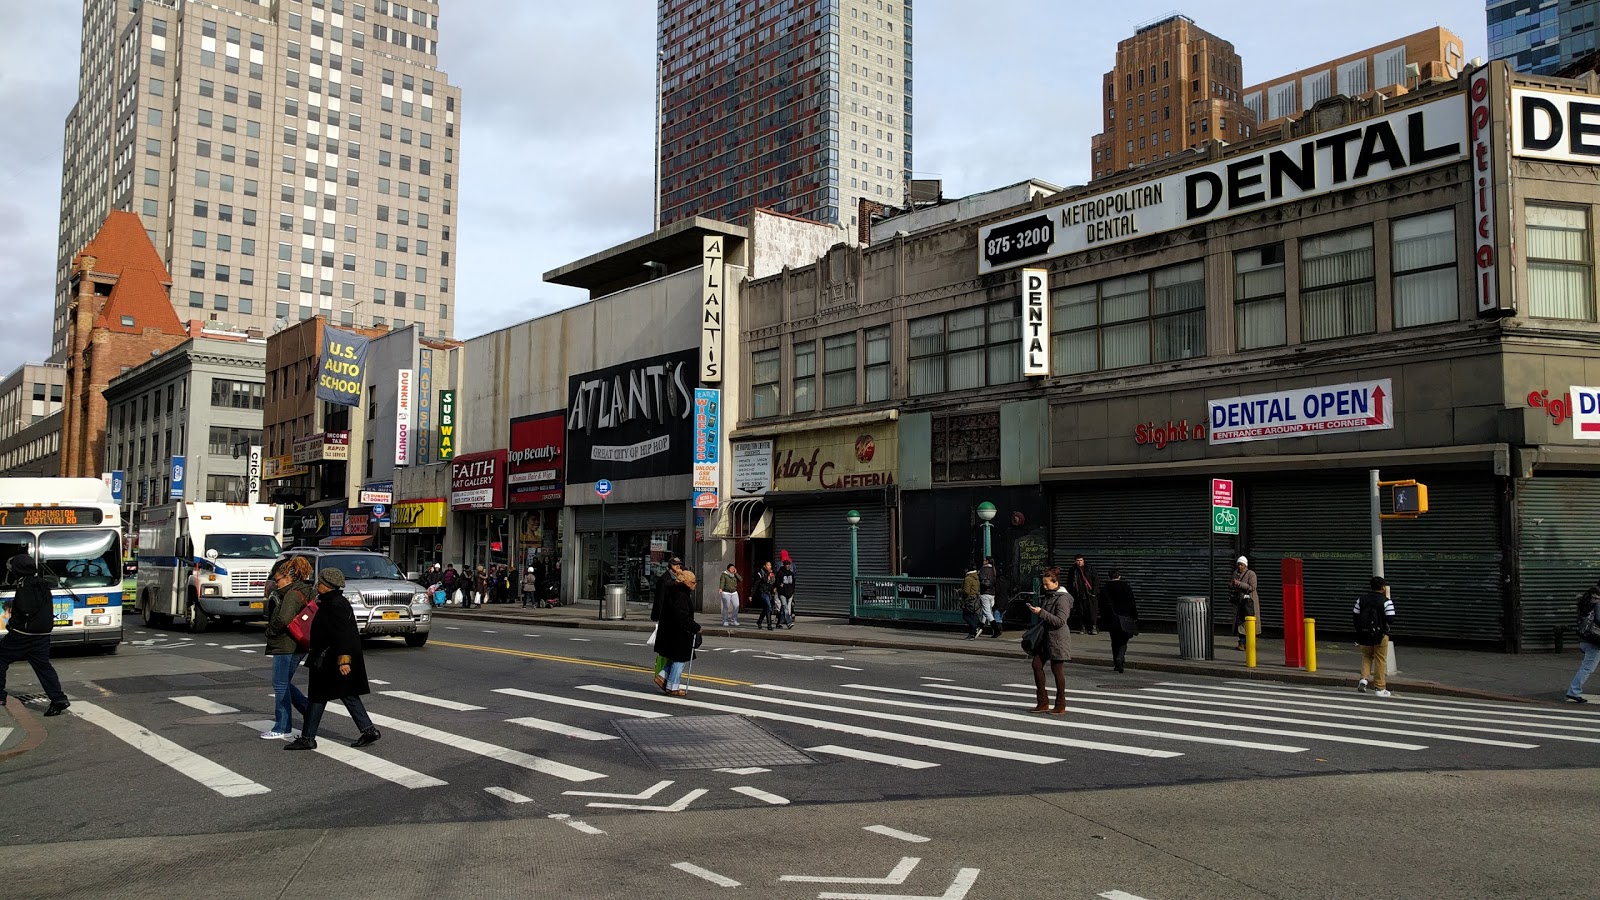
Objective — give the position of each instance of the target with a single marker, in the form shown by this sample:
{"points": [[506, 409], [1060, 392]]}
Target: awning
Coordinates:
{"points": [[745, 517], [358, 541]]}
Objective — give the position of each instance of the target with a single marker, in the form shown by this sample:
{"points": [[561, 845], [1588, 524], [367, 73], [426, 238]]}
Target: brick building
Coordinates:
{"points": [[120, 315], [1436, 52]]}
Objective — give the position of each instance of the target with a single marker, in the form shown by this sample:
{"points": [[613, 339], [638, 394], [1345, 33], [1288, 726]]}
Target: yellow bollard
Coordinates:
{"points": [[1250, 642], [1311, 645]]}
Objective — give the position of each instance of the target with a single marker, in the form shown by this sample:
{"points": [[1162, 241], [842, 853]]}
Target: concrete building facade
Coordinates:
{"points": [[33, 451], [286, 160], [32, 391]]}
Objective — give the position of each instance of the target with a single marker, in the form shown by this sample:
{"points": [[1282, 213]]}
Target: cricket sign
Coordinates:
{"points": [[1334, 409]]}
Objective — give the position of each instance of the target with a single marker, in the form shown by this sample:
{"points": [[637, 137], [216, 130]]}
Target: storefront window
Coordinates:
{"points": [[1258, 292], [1560, 277], [1425, 269], [634, 559], [1337, 295]]}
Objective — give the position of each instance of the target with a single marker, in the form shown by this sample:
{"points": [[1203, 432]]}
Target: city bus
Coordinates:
{"points": [[73, 530]]}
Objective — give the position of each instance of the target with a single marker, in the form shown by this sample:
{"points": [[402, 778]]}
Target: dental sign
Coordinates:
{"points": [[1302, 412], [1555, 126], [1035, 323], [1585, 413], [1370, 151]]}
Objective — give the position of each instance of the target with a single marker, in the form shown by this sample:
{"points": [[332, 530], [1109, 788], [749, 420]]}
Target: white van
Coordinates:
{"points": [[200, 561]]}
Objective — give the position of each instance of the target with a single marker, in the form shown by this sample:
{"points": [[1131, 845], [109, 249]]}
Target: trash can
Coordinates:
{"points": [[614, 605], [1192, 612]]}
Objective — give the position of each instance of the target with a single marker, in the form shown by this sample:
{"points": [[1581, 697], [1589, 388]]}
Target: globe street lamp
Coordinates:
{"points": [[986, 512], [854, 518]]}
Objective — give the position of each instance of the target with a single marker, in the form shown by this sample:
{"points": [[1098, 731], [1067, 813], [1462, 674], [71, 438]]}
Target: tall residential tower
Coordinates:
{"points": [[798, 106], [1542, 36], [288, 159]]}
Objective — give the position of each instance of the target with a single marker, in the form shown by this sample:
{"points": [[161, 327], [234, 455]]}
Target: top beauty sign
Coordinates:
{"points": [[1369, 151]]}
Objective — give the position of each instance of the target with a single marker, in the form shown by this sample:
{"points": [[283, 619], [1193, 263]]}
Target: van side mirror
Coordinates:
{"points": [[212, 554]]}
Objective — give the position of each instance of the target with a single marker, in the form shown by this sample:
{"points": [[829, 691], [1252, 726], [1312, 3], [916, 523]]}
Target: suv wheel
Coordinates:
{"points": [[416, 640]]}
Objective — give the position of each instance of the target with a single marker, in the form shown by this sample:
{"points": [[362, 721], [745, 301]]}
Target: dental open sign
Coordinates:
{"points": [[1336, 408]]}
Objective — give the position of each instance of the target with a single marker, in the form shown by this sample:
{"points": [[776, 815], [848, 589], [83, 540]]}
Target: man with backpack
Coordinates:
{"points": [[1374, 616], [1588, 641], [33, 616]]}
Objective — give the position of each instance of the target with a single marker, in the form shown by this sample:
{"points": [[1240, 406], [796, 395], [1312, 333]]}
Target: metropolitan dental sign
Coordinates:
{"points": [[1370, 151], [1302, 412]]}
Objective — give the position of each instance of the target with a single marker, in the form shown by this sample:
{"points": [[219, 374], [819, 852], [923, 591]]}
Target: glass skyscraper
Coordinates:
{"points": [[1541, 36]]}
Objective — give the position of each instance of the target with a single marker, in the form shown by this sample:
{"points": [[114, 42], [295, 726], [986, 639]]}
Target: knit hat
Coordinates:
{"points": [[331, 577], [783, 555], [23, 564], [1243, 560]]}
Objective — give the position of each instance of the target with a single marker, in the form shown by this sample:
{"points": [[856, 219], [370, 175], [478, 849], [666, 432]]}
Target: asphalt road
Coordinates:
{"points": [[511, 753]]}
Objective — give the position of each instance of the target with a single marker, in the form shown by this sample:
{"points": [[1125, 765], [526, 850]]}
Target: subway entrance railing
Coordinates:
{"points": [[906, 598]]}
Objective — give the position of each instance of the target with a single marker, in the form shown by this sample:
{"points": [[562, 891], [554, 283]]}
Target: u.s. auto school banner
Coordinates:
{"points": [[342, 367], [536, 460], [632, 420], [1301, 412]]}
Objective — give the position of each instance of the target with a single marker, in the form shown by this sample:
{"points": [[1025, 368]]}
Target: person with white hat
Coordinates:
{"points": [[1245, 600], [530, 589]]}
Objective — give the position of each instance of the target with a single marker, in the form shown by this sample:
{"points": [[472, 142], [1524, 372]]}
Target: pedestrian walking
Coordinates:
{"points": [[530, 589], [291, 590], [27, 636], [675, 634], [338, 670], [1588, 641], [988, 616], [663, 584], [1120, 613], [766, 591], [1374, 615], [969, 603], [1056, 648], [1242, 594], [1081, 585], [480, 588], [785, 589], [728, 587]]}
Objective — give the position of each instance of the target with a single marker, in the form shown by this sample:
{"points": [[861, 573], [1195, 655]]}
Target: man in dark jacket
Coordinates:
{"points": [[27, 635], [1374, 616], [1120, 612], [1588, 621], [664, 584], [786, 589], [1080, 584]]}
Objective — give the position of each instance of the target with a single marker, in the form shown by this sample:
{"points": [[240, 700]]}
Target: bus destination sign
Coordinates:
{"points": [[48, 516]]}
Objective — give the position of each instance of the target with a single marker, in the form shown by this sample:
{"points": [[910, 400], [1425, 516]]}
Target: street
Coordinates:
{"points": [[795, 770]]}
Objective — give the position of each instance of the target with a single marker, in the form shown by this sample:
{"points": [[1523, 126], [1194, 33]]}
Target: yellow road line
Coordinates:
{"points": [[709, 679]]}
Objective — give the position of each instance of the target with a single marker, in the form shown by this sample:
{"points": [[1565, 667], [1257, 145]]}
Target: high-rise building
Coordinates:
{"points": [[1542, 36], [1174, 85], [798, 106], [287, 159], [1436, 52]]}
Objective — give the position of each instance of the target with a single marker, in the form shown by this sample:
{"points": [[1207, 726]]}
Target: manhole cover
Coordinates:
{"points": [[708, 742]]}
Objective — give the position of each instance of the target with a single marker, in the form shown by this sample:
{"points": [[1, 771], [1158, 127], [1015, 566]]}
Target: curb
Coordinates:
{"points": [[1176, 667]]}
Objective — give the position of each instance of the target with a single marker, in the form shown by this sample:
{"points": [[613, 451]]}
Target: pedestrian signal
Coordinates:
{"points": [[1411, 498]]}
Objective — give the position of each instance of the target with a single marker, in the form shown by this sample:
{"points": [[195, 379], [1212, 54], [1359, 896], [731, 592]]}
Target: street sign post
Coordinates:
{"points": [[1221, 492], [603, 488], [1224, 520]]}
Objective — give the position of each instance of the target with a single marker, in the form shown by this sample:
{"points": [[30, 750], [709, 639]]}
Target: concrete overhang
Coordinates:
{"points": [[677, 247]]}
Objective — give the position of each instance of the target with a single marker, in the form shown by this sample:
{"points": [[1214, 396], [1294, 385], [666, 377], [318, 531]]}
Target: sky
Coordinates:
{"points": [[558, 108]]}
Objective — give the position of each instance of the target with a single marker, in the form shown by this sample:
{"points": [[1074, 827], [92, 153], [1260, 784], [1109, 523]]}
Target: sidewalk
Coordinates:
{"points": [[1423, 670]]}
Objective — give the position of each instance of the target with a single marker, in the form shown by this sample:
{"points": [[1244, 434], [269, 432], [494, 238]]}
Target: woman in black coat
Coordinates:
{"points": [[1119, 612], [676, 631], [338, 671]]}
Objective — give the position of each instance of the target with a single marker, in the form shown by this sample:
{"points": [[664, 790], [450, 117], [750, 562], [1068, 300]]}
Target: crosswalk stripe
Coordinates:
{"points": [[482, 748], [431, 701], [763, 796], [504, 794], [1053, 721], [585, 704], [1380, 711], [825, 725], [947, 726], [206, 706], [239, 646], [5, 733], [1441, 704], [869, 756], [366, 762], [562, 728], [182, 760]]}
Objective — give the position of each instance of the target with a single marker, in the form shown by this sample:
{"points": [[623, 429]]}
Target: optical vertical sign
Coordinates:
{"points": [[707, 452], [402, 418], [253, 477], [1480, 130], [1035, 323], [447, 426], [713, 306]]}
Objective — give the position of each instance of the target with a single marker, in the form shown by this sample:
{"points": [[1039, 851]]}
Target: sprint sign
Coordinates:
{"points": [[1586, 413], [1300, 412]]}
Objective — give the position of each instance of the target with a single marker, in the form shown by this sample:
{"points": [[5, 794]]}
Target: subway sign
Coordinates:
{"points": [[1400, 143]]}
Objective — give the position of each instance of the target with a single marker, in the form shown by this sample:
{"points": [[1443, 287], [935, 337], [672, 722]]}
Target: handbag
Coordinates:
{"points": [[1033, 639], [651, 640], [1128, 625], [300, 625]]}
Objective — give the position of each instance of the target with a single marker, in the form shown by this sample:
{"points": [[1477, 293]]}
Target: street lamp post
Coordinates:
{"points": [[854, 518], [986, 512]]}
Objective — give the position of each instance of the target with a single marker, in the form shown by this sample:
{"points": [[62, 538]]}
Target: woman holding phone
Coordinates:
{"points": [[1053, 610]]}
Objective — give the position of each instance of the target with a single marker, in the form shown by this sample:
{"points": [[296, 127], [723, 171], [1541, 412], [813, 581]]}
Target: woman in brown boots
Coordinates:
{"points": [[1053, 610]]}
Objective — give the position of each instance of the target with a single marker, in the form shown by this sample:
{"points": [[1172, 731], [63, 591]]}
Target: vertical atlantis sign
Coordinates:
{"points": [[713, 307], [1035, 323], [402, 418], [707, 452], [342, 367], [447, 425], [422, 436]]}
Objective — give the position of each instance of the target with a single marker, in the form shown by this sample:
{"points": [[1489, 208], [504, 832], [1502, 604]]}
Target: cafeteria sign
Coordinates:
{"points": [[1334, 409]]}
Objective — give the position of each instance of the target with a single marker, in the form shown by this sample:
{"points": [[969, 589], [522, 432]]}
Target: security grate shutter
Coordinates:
{"points": [[634, 516], [818, 539], [1559, 522]]}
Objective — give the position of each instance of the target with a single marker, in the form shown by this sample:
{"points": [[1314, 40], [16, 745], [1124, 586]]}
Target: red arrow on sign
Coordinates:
{"points": [[1377, 402]]}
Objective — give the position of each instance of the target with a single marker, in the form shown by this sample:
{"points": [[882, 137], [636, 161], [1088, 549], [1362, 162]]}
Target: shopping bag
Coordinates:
{"points": [[651, 640]]}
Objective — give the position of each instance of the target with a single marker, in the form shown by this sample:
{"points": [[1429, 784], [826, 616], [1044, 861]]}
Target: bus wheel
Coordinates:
{"points": [[195, 617]]}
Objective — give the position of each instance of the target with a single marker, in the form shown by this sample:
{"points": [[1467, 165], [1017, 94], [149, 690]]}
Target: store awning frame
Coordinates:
{"points": [[743, 518]]}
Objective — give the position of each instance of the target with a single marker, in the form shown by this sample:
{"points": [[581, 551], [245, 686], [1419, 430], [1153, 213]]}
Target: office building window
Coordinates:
{"points": [[1424, 262], [1560, 269], [1258, 294], [1337, 294], [229, 394], [839, 371], [1130, 321], [764, 383], [965, 349], [877, 368], [805, 376]]}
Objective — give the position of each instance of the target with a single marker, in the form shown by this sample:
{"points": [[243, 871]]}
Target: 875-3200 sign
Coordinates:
{"points": [[1019, 240]]}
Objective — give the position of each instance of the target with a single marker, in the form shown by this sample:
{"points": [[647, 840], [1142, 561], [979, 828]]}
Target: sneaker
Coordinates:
{"points": [[370, 736], [57, 708], [1383, 694], [1361, 686], [275, 735], [1577, 698], [302, 743]]}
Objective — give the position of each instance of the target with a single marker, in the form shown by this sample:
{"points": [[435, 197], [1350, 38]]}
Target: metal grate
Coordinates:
{"points": [[708, 742]]}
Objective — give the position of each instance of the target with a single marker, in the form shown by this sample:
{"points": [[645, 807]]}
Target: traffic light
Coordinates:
{"points": [[1411, 498]]}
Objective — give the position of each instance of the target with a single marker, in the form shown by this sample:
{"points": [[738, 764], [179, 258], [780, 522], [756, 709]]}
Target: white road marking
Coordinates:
{"points": [[825, 725], [707, 874], [237, 646], [504, 794], [561, 728], [631, 644], [679, 806], [585, 704], [646, 794], [452, 628], [530, 635], [958, 888], [1389, 708], [5, 733], [492, 751], [848, 668], [1502, 707], [570, 822], [897, 875], [747, 770], [206, 706], [1119, 895], [209, 644], [366, 762], [431, 701], [896, 833], [932, 678], [247, 651], [869, 756], [487, 631], [376, 681], [585, 640], [761, 795], [185, 762]]}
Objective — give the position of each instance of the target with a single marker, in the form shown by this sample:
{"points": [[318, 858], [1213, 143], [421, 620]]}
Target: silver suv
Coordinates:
{"points": [[385, 603]]}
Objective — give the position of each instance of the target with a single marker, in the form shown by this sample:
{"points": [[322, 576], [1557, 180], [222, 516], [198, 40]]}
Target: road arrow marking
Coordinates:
{"points": [[707, 874], [956, 891], [646, 795], [897, 875], [761, 795], [896, 833], [680, 806]]}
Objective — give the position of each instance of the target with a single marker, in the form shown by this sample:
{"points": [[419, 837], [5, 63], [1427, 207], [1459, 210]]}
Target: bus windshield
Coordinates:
{"points": [[81, 559], [12, 543], [242, 546]]}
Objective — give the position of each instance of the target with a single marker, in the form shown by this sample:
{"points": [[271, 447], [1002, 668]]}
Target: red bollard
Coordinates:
{"points": [[1294, 608]]}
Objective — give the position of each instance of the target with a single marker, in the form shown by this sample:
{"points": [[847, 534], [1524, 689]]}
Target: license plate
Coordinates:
{"points": [[391, 615], [63, 622], [259, 605]]}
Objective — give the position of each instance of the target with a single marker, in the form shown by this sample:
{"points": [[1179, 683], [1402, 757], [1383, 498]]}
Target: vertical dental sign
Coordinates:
{"points": [[1035, 323], [402, 418], [1486, 274], [713, 306]]}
